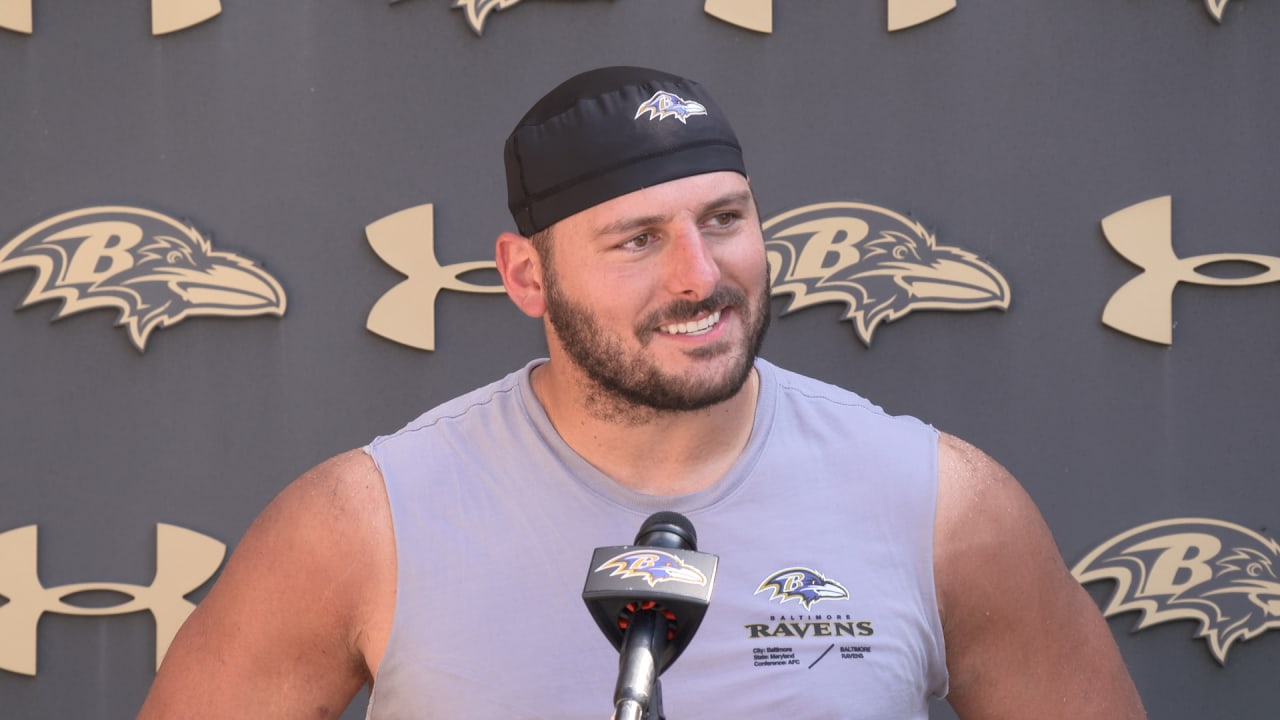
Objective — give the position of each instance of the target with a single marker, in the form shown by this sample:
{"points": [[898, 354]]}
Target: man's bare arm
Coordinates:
{"points": [[1023, 637], [298, 620]]}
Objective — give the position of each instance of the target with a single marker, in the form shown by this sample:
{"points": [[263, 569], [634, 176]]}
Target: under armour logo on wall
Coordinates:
{"points": [[166, 15], [1143, 235], [185, 560], [758, 14], [406, 241]]}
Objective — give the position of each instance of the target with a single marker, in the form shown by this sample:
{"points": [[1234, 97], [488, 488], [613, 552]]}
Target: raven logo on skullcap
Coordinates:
{"points": [[153, 270], [1220, 574], [664, 104], [878, 263]]}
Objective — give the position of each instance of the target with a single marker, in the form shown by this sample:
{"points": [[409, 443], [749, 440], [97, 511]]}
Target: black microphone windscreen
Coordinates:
{"points": [[667, 529]]}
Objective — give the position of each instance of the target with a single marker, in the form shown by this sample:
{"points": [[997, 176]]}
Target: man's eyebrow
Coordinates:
{"points": [[742, 197], [627, 224]]}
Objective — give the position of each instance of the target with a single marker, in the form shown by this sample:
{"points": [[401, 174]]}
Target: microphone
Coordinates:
{"points": [[649, 599]]}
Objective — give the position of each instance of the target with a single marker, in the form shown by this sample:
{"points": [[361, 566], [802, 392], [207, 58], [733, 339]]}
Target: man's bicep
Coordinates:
{"points": [[275, 636], [1023, 638]]}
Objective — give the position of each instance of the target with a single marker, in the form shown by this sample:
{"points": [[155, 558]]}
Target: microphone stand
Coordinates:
{"points": [[638, 694]]}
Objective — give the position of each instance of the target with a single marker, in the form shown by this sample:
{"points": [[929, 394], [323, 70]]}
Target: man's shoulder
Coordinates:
{"points": [[971, 472], [802, 385], [981, 505], [797, 388], [1000, 582], [496, 396], [341, 490], [301, 611]]}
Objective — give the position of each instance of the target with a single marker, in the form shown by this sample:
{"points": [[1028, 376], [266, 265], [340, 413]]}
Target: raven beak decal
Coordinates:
{"points": [[222, 289], [1263, 593], [971, 284]]}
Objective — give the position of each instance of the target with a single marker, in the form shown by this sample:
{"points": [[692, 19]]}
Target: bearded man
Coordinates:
{"points": [[442, 564]]}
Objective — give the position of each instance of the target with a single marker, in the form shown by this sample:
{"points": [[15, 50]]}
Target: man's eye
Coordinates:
{"points": [[724, 219], [639, 242]]}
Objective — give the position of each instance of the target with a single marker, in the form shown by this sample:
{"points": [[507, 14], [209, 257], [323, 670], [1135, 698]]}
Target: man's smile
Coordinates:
{"points": [[693, 327]]}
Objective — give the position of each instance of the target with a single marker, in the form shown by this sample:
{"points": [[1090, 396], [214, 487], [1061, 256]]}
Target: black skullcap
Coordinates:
{"points": [[608, 132]]}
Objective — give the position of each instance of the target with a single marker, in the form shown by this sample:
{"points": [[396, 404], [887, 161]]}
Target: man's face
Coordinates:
{"points": [[661, 296]]}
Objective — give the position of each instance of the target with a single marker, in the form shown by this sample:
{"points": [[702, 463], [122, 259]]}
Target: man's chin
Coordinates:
{"points": [[706, 387]]}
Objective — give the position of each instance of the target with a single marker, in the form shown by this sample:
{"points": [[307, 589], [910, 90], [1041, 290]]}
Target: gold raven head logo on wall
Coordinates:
{"points": [[876, 262], [1220, 574], [153, 269], [1215, 8]]}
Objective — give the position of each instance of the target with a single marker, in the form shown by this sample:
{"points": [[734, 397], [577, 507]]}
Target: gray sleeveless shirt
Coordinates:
{"points": [[823, 603]]}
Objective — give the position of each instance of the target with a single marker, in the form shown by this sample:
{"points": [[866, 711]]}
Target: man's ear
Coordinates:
{"points": [[521, 271]]}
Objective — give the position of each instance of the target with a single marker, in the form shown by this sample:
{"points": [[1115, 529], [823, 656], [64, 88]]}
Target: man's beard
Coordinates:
{"points": [[634, 382]]}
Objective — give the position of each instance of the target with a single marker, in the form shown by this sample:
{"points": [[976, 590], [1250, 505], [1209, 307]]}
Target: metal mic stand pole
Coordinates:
{"points": [[638, 695]]}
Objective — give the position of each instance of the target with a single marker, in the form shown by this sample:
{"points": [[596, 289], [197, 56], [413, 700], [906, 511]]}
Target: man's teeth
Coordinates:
{"points": [[692, 328]]}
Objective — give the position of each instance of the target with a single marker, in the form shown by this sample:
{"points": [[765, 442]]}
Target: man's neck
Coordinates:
{"points": [[649, 451]]}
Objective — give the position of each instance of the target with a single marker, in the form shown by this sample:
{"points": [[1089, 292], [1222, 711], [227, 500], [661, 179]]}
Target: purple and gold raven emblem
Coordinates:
{"points": [[802, 584], [876, 262], [664, 105], [153, 270], [652, 566], [1220, 574]]}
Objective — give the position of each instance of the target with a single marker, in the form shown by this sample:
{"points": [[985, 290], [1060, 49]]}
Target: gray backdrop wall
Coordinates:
{"points": [[280, 130]]}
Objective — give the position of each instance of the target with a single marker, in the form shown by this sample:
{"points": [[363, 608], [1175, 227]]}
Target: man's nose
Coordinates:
{"points": [[692, 270]]}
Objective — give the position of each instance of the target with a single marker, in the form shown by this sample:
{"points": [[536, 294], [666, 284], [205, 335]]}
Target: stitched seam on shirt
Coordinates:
{"points": [[429, 424]]}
